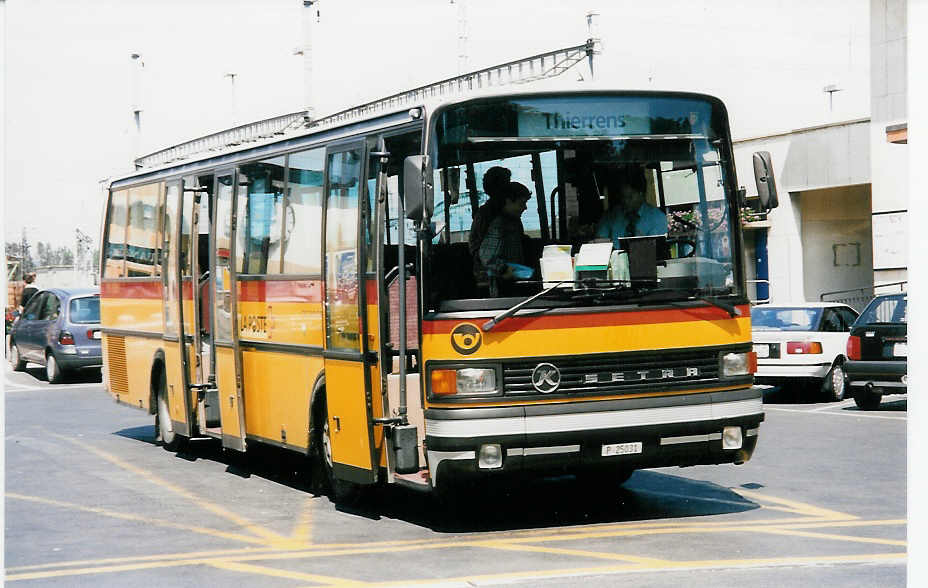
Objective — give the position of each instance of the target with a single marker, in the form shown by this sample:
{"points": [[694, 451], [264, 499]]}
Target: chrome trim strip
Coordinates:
{"points": [[516, 451], [560, 423], [436, 457], [691, 439]]}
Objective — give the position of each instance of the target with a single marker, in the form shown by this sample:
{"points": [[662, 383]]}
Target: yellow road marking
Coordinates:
{"points": [[515, 541], [853, 538], [136, 518], [303, 531], [799, 507], [275, 539], [142, 558], [278, 573], [682, 565], [574, 552]]}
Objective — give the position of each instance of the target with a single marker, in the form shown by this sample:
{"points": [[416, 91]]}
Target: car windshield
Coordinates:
{"points": [[632, 192], [888, 309], [766, 318], [85, 310]]}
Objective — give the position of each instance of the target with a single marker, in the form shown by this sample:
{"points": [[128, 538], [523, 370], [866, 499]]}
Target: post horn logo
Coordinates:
{"points": [[466, 338], [546, 378]]}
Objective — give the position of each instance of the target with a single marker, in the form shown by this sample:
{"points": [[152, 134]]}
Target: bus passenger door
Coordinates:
{"points": [[228, 418], [174, 357], [347, 379]]}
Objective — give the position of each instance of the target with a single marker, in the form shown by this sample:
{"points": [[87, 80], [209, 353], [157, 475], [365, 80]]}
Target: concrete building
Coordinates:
{"points": [[843, 189]]}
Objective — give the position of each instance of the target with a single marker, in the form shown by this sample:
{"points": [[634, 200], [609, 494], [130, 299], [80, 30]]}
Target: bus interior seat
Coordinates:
{"points": [[452, 271]]}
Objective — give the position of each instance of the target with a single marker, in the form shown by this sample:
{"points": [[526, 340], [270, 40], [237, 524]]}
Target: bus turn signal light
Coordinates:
{"points": [[853, 347], [803, 347], [444, 382]]}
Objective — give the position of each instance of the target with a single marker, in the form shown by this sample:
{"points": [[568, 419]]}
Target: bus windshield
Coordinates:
{"points": [[623, 198]]}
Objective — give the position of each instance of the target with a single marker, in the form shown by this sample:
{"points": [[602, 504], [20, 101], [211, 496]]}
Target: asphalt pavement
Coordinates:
{"points": [[92, 500]]}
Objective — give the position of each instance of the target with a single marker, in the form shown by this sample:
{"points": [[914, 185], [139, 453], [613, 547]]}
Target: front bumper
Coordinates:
{"points": [[563, 438]]}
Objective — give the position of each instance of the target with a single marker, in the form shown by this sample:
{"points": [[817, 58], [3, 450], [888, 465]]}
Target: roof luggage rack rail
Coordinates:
{"points": [[521, 71]]}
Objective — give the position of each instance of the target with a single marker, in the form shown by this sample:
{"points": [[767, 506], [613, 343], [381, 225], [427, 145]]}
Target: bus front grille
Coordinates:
{"points": [[619, 373]]}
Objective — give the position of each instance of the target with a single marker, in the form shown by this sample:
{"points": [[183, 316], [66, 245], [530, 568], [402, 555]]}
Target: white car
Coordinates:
{"points": [[801, 343]]}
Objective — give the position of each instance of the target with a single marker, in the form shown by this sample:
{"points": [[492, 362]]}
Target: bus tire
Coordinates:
{"points": [[323, 474], [340, 492], [16, 360], [171, 440]]}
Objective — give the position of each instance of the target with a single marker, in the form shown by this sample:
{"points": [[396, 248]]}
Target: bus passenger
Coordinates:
{"points": [[630, 215], [495, 184], [502, 244]]}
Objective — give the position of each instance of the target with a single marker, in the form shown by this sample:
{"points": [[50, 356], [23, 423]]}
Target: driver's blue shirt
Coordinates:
{"points": [[615, 224]]}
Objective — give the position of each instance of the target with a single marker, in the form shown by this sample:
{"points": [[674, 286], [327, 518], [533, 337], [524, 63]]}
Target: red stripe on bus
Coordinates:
{"points": [[139, 289], [280, 291], [579, 321]]}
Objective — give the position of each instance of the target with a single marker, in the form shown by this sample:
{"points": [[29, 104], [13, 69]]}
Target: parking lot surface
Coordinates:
{"points": [[92, 500]]}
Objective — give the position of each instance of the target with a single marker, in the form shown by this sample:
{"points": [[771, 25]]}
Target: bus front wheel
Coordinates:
{"points": [[339, 491], [170, 439]]}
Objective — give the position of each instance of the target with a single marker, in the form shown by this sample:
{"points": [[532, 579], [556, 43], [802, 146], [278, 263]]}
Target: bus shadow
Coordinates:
{"points": [[555, 502], [649, 495]]}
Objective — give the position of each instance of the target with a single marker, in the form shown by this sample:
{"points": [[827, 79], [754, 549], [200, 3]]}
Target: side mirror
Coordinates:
{"points": [[766, 184], [416, 187]]}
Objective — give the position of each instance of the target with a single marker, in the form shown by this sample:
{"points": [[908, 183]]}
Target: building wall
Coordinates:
{"points": [[889, 161], [837, 251], [805, 161]]}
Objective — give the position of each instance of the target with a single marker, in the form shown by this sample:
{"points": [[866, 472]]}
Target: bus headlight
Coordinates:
{"points": [[738, 364], [464, 382]]}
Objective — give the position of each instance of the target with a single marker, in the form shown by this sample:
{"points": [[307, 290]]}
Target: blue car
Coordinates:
{"points": [[60, 329]]}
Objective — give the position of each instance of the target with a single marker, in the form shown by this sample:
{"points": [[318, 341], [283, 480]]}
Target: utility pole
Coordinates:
{"points": [[310, 11], [462, 35], [232, 106], [136, 67], [592, 27]]}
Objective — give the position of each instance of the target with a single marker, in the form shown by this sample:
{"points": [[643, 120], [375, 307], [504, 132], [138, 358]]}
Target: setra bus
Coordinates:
{"points": [[317, 291]]}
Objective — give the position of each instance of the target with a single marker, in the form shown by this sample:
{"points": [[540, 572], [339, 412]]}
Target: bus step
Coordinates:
{"points": [[418, 480]]}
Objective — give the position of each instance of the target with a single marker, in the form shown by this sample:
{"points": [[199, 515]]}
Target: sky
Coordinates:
{"points": [[66, 71]]}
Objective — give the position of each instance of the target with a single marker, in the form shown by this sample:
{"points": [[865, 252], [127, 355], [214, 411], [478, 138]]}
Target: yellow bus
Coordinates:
{"points": [[318, 291]]}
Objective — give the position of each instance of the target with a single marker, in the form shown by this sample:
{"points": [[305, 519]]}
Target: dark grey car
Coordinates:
{"points": [[60, 329]]}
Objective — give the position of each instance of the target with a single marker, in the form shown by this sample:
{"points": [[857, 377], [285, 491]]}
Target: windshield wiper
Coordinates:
{"points": [[517, 307], [728, 307]]}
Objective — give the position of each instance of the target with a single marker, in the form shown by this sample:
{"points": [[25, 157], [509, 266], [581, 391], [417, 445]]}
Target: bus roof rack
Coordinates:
{"points": [[521, 71]]}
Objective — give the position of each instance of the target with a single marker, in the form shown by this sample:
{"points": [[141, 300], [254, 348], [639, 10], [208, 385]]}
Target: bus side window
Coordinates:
{"points": [[114, 251], [302, 246]]}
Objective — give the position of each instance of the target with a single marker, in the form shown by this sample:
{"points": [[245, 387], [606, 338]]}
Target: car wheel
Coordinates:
{"points": [[833, 386], [16, 360], [867, 400], [169, 438], [53, 370]]}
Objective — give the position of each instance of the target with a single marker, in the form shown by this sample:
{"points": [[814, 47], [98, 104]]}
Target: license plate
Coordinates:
{"points": [[622, 448], [901, 349], [762, 350], [96, 335]]}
